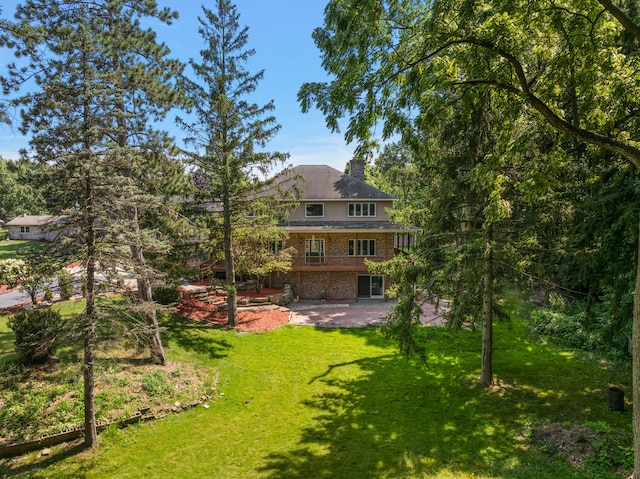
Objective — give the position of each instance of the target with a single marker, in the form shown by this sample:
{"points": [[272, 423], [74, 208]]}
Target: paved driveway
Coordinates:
{"points": [[350, 315]]}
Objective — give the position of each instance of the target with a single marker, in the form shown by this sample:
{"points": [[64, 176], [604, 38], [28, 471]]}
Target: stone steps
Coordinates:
{"points": [[218, 298]]}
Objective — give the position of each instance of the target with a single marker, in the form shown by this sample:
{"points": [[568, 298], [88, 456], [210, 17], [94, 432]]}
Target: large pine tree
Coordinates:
{"points": [[101, 79], [227, 132]]}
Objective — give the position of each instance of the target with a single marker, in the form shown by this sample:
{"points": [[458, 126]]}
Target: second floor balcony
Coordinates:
{"points": [[320, 262]]}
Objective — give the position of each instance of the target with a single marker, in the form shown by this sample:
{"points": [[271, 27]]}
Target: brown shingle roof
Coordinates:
{"points": [[29, 220], [321, 182]]}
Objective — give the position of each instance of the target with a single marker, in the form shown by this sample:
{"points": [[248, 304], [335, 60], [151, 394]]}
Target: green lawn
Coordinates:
{"points": [[305, 403], [10, 248], [6, 340]]}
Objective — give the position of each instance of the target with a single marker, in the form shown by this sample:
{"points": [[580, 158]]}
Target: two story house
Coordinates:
{"points": [[341, 220]]}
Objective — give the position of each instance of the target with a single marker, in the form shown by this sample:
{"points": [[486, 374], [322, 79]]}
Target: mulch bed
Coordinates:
{"points": [[251, 320], [265, 318]]}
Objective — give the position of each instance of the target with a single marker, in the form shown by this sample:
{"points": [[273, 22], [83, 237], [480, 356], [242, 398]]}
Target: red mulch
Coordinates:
{"points": [[4, 288], [253, 321], [13, 309]]}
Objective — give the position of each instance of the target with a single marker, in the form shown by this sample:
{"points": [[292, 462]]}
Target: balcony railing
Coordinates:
{"points": [[301, 262]]}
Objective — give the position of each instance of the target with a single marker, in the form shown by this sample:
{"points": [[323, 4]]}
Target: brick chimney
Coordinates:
{"points": [[356, 168]]}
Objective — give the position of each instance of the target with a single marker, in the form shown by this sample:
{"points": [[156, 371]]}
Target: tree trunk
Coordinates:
{"points": [[33, 294], [486, 374], [635, 351], [152, 329], [90, 426], [232, 304]]}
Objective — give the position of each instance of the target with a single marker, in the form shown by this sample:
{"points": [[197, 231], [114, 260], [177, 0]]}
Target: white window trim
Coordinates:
{"points": [[357, 243], [308, 257], [375, 207], [313, 216]]}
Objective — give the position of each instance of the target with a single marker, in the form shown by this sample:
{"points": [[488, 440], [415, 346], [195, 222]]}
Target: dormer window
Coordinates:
{"points": [[361, 209], [314, 210]]}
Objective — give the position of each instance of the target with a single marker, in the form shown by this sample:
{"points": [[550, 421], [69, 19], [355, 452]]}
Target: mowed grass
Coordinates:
{"points": [[305, 403], [7, 339], [11, 248]]}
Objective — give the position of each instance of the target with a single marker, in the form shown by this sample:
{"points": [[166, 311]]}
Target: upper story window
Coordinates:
{"points": [[362, 209], [363, 247], [314, 209]]}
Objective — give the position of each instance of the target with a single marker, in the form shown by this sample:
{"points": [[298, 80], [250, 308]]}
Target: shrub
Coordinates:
{"points": [[590, 329], [65, 282], [48, 294], [11, 270], [167, 294], [37, 334]]}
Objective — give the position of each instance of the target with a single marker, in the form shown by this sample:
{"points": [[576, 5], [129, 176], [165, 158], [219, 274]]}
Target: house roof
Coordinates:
{"points": [[29, 220], [322, 182]]}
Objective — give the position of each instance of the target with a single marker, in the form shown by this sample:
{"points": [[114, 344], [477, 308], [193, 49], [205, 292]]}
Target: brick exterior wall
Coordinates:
{"points": [[324, 282], [343, 285], [336, 247]]}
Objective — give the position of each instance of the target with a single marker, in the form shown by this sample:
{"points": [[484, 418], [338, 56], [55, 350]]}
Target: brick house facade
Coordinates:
{"points": [[340, 221]]}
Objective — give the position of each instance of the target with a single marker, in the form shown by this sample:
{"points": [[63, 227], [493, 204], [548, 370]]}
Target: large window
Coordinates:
{"points": [[363, 247], [314, 209], [25, 229], [277, 246], [362, 209], [314, 251]]}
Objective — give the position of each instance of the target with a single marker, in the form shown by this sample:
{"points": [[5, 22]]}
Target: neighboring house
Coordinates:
{"points": [[341, 220], [35, 228]]}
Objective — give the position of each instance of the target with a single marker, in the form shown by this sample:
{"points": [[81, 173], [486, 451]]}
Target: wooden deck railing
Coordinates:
{"points": [[302, 262]]}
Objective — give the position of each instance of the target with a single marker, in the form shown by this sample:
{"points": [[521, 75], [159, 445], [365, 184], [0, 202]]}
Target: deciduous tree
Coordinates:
{"points": [[574, 62], [17, 196], [260, 251]]}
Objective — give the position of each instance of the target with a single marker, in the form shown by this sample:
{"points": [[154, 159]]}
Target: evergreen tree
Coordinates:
{"points": [[102, 79], [227, 133]]}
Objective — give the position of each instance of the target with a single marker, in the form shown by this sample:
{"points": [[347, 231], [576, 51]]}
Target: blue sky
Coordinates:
{"points": [[280, 32]]}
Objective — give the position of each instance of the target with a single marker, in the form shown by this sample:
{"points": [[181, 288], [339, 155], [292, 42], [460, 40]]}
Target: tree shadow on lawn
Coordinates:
{"points": [[7, 344], [58, 453], [399, 419], [191, 336]]}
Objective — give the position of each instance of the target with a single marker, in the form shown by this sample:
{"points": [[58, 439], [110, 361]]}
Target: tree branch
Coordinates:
{"points": [[622, 17], [626, 150]]}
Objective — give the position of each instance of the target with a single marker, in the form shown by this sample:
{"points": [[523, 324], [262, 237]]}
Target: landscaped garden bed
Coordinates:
{"points": [[256, 318]]}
